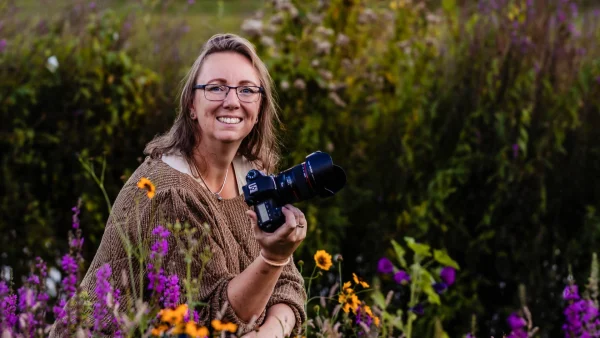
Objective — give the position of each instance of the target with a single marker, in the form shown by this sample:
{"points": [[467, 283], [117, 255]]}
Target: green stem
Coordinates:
{"points": [[307, 299]]}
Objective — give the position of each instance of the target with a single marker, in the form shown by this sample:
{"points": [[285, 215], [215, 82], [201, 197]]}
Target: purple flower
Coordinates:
{"points": [[69, 283], [418, 309], [60, 312], [448, 275], [385, 266], [571, 292], [171, 295], [92, 5], [515, 150], [3, 44], [160, 247], [401, 277], [581, 319], [104, 294], [8, 308], [76, 210], [515, 321], [157, 279], [440, 287], [191, 2]]}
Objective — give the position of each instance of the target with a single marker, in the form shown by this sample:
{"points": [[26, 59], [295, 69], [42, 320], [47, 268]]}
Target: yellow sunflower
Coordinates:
{"points": [[360, 281], [347, 289], [145, 184], [323, 260], [350, 302]]}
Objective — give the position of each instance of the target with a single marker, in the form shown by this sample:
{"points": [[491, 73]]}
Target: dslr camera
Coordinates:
{"points": [[316, 176]]}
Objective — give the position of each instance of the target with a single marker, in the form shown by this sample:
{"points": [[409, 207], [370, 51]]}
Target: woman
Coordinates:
{"points": [[225, 127]]}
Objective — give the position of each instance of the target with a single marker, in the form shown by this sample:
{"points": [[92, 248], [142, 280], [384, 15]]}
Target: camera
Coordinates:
{"points": [[316, 176]]}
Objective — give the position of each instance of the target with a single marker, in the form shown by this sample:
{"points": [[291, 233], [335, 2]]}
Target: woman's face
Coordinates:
{"points": [[230, 120]]}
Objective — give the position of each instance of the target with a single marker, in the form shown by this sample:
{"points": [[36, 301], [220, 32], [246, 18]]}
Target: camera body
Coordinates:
{"points": [[317, 176]]}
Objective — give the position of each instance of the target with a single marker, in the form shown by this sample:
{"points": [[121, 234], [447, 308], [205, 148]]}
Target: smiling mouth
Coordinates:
{"points": [[229, 120]]}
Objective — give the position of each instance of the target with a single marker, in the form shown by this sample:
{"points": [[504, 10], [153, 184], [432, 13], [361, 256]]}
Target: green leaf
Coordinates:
{"points": [[443, 258], [379, 299], [399, 253], [426, 284], [418, 248]]}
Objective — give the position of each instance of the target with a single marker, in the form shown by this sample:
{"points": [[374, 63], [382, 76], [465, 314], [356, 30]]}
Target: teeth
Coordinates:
{"points": [[229, 120]]}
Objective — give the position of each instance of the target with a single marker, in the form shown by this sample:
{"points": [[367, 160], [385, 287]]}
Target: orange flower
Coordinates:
{"points": [[347, 289], [376, 321], [173, 317], [145, 184], [220, 326], [360, 281], [350, 302], [191, 329], [323, 260], [158, 331]]}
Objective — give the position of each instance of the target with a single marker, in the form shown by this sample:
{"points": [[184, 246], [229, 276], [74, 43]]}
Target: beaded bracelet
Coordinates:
{"points": [[272, 263]]}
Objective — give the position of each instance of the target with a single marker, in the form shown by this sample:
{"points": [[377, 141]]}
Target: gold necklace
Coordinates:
{"points": [[218, 193]]}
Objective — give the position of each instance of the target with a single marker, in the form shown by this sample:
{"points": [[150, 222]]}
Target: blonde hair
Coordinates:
{"points": [[261, 146]]}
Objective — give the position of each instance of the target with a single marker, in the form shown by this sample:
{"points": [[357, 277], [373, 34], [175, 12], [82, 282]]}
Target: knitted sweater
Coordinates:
{"points": [[230, 239]]}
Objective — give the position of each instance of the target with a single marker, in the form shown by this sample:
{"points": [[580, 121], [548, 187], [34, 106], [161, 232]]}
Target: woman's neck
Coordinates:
{"points": [[213, 162]]}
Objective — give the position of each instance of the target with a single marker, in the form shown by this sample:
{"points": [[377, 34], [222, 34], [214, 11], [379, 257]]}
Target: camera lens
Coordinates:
{"points": [[317, 176]]}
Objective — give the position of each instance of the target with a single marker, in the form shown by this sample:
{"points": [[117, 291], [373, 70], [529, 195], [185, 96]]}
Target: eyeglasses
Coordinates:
{"points": [[215, 92]]}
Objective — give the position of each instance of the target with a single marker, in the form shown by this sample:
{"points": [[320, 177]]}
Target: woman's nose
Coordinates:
{"points": [[231, 100]]}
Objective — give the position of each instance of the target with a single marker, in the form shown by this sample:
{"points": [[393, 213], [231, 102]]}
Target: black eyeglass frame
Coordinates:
{"points": [[261, 90]]}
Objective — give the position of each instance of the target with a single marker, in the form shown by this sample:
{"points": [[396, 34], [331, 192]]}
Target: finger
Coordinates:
{"points": [[290, 222], [253, 219], [303, 226]]}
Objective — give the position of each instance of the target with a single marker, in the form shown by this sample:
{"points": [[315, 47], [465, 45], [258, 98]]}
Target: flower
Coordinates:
{"points": [[159, 331], [105, 296], [347, 288], [515, 321], [418, 309], [385, 266], [571, 292], [171, 294], [220, 326], [69, 283], [191, 329], [323, 260], [360, 281], [448, 275], [173, 317], [349, 301], [440, 287], [402, 277], [145, 184], [3, 44]]}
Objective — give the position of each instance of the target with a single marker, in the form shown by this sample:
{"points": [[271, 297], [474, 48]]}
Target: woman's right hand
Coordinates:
{"points": [[281, 244]]}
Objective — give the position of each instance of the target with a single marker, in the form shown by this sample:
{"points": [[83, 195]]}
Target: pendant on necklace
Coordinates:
{"points": [[219, 197]]}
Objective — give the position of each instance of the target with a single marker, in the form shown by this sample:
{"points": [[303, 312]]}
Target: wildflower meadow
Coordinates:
{"points": [[469, 132]]}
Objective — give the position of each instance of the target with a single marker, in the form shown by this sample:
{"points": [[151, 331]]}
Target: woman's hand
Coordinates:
{"points": [[281, 244]]}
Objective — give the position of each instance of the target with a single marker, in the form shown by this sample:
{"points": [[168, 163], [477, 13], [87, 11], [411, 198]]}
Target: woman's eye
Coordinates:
{"points": [[216, 89], [247, 90]]}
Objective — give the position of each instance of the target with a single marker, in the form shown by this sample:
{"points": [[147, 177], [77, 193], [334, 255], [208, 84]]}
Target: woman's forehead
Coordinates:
{"points": [[228, 67]]}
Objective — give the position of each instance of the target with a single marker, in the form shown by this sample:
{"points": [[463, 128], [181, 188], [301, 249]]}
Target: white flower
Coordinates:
{"points": [[252, 27], [52, 64]]}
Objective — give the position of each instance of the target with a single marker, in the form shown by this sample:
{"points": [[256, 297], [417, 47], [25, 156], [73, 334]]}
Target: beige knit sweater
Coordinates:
{"points": [[231, 240]]}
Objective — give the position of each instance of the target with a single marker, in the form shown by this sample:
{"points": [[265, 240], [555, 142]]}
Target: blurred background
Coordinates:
{"points": [[472, 126]]}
